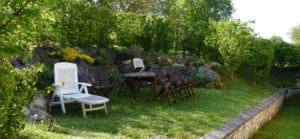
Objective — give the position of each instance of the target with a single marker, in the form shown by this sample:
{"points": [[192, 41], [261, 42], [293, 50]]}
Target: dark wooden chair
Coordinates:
{"points": [[100, 81], [167, 87], [178, 82], [188, 81]]}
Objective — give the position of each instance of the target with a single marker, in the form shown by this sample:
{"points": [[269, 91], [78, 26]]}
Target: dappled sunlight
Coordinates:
{"points": [[38, 130]]}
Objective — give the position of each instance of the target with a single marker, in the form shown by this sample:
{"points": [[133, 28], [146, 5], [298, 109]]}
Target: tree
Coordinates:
{"points": [[82, 23], [277, 39], [232, 40], [129, 28], [260, 59], [19, 26], [190, 19], [285, 54], [295, 35], [19, 32], [133, 6]]}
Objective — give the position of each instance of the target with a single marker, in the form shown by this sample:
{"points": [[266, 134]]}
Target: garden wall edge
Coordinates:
{"points": [[246, 124]]}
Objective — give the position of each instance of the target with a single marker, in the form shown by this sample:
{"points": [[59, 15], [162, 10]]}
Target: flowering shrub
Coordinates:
{"points": [[70, 54], [86, 58], [17, 89]]}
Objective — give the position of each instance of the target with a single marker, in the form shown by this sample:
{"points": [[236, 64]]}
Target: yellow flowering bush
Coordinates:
{"points": [[70, 54], [87, 58]]}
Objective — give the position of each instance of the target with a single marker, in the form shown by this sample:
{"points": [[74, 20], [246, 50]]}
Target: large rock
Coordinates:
{"points": [[185, 60], [134, 51], [82, 71], [35, 114], [180, 59], [164, 61], [210, 75], [190, 61], [91, 51], [38, 110], [41, 54]]}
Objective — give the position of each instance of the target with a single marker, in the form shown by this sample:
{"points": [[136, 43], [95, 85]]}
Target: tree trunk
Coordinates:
{"points": [[231, 74], [254, 83]]}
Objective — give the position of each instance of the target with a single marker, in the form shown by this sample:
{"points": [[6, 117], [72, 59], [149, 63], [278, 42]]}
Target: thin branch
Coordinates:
{"points": [[16, 13]]}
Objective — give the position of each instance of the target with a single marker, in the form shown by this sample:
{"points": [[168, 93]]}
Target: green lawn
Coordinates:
{"points": [[191, 118], [285, 125]]}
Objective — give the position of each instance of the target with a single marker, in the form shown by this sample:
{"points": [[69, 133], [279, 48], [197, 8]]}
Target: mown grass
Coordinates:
{"points": [[190, 118], [285, 125]]}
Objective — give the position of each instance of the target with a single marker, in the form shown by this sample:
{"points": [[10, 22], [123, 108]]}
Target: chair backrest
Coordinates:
{"points": [[160, 75], [174, 77], [138, 63], [66, 73]]}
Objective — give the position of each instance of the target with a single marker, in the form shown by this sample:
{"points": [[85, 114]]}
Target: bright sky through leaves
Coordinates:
{"points": [[272, 17]]}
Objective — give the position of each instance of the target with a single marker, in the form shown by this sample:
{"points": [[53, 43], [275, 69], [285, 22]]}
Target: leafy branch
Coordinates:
{"points": [[15, 14]]}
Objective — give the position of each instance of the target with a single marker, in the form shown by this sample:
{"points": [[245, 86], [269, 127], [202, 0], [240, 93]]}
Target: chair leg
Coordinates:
{"points": [[62, 104], [52, 98], [83, 110], [191, 90], [105, 108]]}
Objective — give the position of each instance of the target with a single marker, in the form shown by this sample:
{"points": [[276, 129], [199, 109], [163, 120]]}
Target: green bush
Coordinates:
{"points": [[17, 90], [200, 80], [46, 39], [116, 77], [259, 62], [215, 66], [120, 55], [232, 40], [102, 58], [286, 55], [45, 78], [199, 62]]}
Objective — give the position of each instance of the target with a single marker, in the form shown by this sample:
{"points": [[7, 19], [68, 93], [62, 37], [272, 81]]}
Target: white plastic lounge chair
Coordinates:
{"points": [[67, 89], [138, 64]]}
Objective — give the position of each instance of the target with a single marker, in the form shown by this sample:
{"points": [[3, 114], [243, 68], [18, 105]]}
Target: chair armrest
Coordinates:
{"points": [[83, 88], [84, 84], [58, 84]]}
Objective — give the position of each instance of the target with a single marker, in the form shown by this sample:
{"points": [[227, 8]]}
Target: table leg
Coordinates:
{"points": [[153, 88], [135, 88], [121, 88]]}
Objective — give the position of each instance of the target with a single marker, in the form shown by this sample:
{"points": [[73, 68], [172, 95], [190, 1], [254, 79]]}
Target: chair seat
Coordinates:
{"points": [[89, 99], [68, 88]]}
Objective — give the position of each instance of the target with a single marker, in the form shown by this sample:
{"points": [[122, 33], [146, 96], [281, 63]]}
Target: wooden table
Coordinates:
{"points": [[134, 78]]}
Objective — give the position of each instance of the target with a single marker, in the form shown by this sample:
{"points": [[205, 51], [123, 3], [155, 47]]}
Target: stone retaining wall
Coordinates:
{"points": [[246, 124]]}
